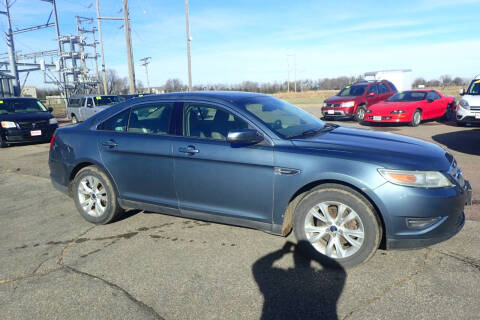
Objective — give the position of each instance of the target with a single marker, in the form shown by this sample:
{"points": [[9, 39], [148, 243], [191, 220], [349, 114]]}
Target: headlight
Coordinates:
{"points": [[324, 104], [397, 111], [52, 121], [348, 104], [464, 104], [419, 179], [8, 124]]}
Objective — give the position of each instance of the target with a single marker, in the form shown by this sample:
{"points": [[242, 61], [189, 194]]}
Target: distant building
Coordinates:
{"points": [[6, 86], [402, 79]]}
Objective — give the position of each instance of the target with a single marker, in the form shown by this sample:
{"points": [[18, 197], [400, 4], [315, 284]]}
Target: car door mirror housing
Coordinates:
{"points": [[50, 109], [371, 94], [430, 100], [244, 136], [461, 92]]}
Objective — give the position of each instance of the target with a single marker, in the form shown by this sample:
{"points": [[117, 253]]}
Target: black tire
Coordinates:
{"points": [[112, 209], [416, 118], [326, 118], [372, 226], [74, 119], [360, 113], [461, 124], [3, 144]]}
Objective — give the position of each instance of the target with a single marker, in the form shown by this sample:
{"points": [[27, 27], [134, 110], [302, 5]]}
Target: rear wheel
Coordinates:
{"points": [[360, 113], [337, 223], [95, 196], [416, 118]]}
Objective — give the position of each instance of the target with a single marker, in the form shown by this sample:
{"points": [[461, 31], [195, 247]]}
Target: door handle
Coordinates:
{"points": [[190, 150], [110, 144]]}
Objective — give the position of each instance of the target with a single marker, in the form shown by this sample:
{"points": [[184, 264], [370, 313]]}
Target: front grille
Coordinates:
{"points": [[33, 124], [333, 105], [475, 108]]}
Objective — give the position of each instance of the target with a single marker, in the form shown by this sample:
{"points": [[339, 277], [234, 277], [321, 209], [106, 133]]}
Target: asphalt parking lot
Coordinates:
{"points": [[56, 265]]}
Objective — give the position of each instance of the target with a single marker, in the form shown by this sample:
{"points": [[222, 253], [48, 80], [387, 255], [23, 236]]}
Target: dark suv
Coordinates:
{"points": [[256, 161], [353, 100], [25, 120]]}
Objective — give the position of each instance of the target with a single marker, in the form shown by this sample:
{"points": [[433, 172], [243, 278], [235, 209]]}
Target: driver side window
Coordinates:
{"points": [[374, 89], [432, 95], [90, 103], [209, 122]]}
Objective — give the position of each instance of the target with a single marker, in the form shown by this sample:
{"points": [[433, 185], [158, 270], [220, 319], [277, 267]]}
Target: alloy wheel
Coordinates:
{"points": [[334, 229], [92, 196]]}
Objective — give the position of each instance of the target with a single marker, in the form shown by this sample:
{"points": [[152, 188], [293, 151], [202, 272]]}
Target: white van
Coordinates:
{"points": [[468, 110]]}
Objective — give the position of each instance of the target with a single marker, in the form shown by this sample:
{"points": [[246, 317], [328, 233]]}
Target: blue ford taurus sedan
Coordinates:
{"points": [[256, 161]]}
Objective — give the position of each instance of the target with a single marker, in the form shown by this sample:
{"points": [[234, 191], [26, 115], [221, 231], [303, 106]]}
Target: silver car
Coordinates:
{"points": [[82, 107]]}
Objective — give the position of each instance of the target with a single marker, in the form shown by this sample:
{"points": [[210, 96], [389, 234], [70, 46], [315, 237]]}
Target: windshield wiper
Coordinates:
{"points": [[325, 128]]}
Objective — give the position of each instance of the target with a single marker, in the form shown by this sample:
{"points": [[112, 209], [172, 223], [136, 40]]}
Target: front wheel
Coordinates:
{"points": [[337, 223], [74, 119], [95, 196], [3, 144], [360, 113], [416, 118]]}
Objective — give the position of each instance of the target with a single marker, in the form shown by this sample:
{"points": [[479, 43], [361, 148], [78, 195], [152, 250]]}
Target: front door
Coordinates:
{"points": [[215, 177], [139, 157]]}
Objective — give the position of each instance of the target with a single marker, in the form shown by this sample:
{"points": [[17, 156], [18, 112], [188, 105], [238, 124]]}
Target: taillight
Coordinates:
{"points": [[52, 141]]}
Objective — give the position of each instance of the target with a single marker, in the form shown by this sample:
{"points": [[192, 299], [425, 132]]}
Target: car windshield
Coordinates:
{"points": [[474, 88], [349, 91], [408, 96], [281, 117], [21, 106], [106, 100]]}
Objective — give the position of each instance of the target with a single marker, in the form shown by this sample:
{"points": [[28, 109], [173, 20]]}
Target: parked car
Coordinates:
{"points": [[468, 110], [354, 100], [25, 120], [82, 107], [254, 160], [411, 107], [124, 97]]}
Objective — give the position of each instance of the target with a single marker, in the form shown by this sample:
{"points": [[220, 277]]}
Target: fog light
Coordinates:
{"points": [[421, 223]]}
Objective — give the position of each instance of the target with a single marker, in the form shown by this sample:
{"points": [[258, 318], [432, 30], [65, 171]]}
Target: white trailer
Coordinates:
{"points": [[402, 79]]}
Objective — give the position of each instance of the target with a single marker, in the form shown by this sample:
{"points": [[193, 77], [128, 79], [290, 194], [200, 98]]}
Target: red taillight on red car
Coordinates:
{"points": [[52, 141]]}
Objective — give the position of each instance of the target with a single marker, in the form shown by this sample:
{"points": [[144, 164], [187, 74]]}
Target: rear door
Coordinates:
{"points": [[215, 177], [136, 149]]}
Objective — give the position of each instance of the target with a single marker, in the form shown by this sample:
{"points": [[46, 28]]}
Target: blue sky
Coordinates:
{"points": [[250, 40]]}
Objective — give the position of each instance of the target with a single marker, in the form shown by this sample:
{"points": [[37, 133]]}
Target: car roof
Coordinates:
{"points": [[17, 98], [228, 96]]}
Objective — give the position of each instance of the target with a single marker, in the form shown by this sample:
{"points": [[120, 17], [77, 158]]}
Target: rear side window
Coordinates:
{"points": [[116, 123], [392, 86], [432, 95], [382, 88], [151, 118]]}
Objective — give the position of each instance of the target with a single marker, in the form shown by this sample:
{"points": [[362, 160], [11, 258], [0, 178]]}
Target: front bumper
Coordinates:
{"points": [[393, 118], [13, 136], [402, 203], [468, 116], [337, 112]]}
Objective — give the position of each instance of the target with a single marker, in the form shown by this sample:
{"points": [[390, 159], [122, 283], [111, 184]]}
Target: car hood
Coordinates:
{"points": [[384, 149], [472, 100], [392, 105], [33, 116], [337, 99]]}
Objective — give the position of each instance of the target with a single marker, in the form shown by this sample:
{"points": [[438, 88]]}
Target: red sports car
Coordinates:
{"points": [[411, 106]]}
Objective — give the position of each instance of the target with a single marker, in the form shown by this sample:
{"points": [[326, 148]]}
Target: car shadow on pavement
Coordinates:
{"points": [[466, 141], [301, 292]]}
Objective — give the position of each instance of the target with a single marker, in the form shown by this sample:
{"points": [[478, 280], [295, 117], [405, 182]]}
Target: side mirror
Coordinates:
{"points": [[50, 109], [371, 94], [429, 100], [461, 91], [244, 136]]}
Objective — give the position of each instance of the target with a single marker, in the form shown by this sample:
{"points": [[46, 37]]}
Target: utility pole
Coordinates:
{"points": [[128, 40], [146, 62], [295, 70], [189, 39], [11, 52], [104, 74], [288, 74]]}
